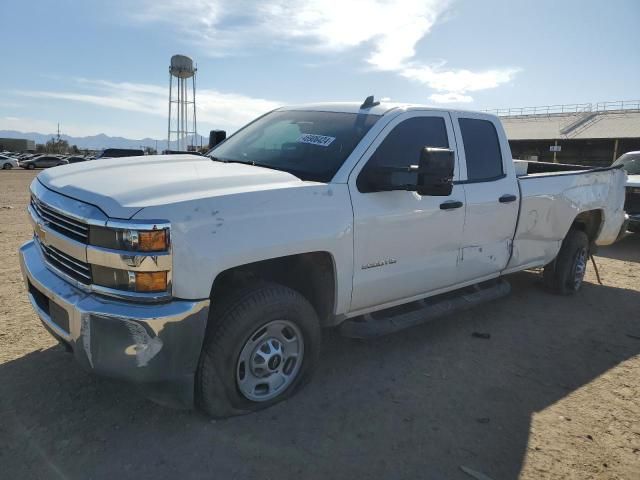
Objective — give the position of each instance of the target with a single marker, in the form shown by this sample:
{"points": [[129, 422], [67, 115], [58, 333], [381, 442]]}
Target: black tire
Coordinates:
{"points": [[560, 276], [31, 166], [231, 324], [7, 166]]}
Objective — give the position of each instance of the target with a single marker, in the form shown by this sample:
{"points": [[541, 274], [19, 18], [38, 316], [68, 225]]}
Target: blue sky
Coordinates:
{"points": [[102, 66]]}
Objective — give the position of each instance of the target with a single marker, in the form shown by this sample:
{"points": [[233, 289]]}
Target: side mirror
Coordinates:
{"points": [[435, 172], [432, 176], [216, 137]]}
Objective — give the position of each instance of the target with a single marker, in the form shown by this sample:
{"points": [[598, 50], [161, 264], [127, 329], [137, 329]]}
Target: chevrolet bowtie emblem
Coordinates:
{"points": [[40, 231]]}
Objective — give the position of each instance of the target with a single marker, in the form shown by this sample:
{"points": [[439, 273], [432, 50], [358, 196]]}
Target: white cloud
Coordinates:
{"points": [[389, 29], [452, 85], [107, 100], [450, 97], [214, 109]]}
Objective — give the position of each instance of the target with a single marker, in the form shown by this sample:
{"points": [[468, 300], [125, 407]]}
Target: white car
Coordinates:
{"points": [[7, 163], [207, 279], [630, 161]]}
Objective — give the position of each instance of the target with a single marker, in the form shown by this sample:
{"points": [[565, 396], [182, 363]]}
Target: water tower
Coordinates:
{"points": [[182, 106]]}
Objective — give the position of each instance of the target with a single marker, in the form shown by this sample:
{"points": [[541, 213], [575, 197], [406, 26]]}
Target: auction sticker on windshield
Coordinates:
{"points": [[320, 140]]}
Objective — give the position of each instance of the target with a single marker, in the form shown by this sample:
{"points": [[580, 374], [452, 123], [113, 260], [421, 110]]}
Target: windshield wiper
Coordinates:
{"points": [[226, 160], [256, 164]]}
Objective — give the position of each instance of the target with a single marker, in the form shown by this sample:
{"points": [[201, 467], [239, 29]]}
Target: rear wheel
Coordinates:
{"points": [[566, 273], [7, 166], [261, 346]]}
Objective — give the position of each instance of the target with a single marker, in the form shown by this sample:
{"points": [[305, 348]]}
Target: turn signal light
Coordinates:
{"points": [[152, 240], [151, 281]]}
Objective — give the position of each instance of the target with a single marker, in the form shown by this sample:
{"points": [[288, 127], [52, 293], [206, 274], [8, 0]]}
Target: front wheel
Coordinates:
{"points": [[566, 273], [261, 346], [7, 166], [31, 166]]}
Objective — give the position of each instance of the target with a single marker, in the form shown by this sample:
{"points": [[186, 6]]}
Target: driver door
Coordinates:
{"points": [[405, 245]]}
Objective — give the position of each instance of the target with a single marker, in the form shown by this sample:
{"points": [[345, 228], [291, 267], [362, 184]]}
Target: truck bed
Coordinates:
{"points": [[552, 196]]}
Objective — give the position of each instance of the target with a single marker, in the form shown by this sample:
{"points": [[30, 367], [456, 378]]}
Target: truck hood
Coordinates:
{"points": [[633, 181], [120, 187]]}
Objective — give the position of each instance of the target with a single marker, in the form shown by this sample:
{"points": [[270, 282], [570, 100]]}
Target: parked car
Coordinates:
{"points": [[75, 159], [212, 284], [7, 162], [29, 156], [43, 161], [630, 161], [119, 152]]}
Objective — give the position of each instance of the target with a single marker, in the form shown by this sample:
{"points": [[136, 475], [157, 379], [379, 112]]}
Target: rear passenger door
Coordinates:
{"points": [[492, 196]]}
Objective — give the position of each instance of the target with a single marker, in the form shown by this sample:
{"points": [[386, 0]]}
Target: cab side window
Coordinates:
{"points": [[402, 147], [482, 150]]}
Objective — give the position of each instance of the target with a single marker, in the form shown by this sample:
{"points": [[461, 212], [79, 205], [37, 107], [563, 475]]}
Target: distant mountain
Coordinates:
{"points": [[100, 141]]}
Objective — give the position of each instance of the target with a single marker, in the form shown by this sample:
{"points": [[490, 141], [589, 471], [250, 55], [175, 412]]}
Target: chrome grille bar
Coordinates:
{"points": [[74, 268], [81, 265], [60, 222]]}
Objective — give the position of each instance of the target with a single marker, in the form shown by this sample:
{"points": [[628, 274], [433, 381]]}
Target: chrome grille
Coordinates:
{"points": [[72, 267], [60, 222]]}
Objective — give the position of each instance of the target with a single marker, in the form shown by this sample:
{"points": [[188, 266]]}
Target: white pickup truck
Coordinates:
{"points": [[207, 279]]}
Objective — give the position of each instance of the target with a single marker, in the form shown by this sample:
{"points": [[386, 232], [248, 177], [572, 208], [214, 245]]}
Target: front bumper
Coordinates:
{"points": [[155, 346]]}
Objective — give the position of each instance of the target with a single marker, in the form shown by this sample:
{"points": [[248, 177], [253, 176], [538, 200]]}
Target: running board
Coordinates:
{"points": [[415, 313]]}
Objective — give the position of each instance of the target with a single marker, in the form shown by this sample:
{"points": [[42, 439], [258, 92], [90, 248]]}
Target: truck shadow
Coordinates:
{"points": [[627, 249], [416, 404]]}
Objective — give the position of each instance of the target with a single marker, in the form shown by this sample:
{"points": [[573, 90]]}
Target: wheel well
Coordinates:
{"points": [[589, 222], [310, 274]]}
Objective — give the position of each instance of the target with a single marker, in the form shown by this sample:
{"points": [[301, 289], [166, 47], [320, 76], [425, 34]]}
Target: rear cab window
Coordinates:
{"points": [[482, 150]]}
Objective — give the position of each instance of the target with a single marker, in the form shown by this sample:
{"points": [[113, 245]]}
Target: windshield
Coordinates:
{"points": [[310, 145], [630, 162]]}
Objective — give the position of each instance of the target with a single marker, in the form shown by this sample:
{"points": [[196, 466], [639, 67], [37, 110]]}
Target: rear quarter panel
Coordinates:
{"points": [[549, 205]]}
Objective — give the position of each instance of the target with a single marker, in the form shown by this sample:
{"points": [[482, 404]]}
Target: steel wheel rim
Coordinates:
{"points": [[580, 268], [270, 360]]}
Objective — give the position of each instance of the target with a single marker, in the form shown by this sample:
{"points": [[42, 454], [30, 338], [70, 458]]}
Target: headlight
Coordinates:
{"points": [[122, 265], [132, 240]]}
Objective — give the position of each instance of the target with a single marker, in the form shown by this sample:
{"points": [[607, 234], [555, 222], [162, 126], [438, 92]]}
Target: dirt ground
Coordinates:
{"points": [[553, 393]]}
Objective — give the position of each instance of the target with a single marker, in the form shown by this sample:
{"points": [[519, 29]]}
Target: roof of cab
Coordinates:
{"points": [[355, 107]]}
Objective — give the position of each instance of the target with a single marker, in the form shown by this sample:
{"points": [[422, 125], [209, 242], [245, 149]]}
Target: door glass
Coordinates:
{"points": [[402, 147]]}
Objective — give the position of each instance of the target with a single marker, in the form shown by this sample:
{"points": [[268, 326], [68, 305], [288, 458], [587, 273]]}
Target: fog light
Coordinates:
{"points": [[151, 281]]}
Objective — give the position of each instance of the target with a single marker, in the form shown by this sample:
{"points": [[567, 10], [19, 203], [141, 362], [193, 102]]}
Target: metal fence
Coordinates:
{"points": [[547, 110]]}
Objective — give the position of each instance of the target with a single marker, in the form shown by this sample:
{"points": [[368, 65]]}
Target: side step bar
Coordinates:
{"points": [[404, 316]]}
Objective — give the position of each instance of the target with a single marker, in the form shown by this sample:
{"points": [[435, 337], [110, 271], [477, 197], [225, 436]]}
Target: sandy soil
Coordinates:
{"points": [[554, 393]]}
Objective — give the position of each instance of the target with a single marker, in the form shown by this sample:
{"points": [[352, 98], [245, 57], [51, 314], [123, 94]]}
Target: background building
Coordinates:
{"points": [[17, 144], [585, 134]]}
